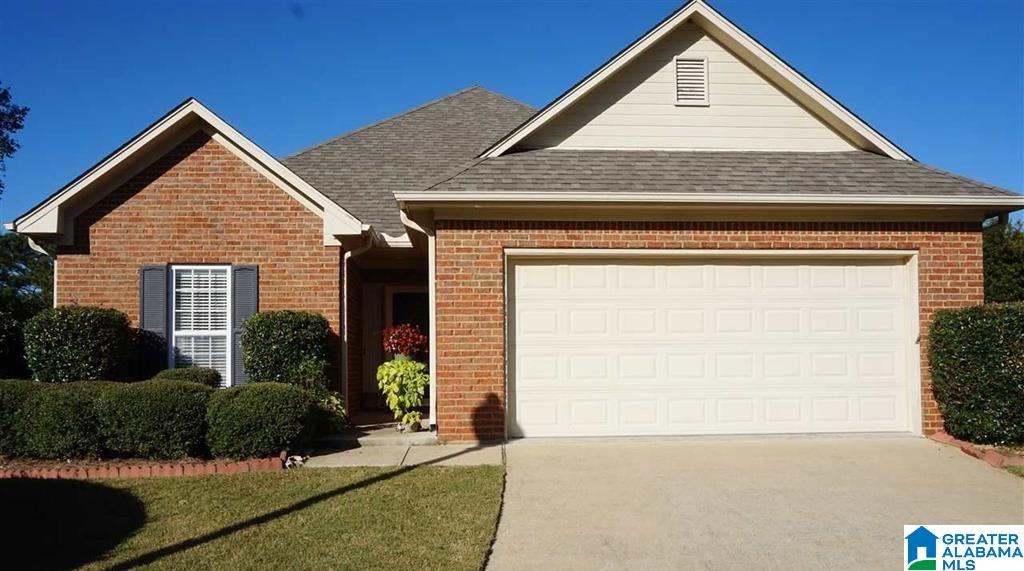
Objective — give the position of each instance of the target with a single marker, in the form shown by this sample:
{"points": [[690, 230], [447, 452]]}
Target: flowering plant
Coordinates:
{"points": [[404, 339]]}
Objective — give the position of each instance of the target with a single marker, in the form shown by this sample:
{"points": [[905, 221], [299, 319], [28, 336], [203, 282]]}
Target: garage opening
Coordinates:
{"points": [[698, 345]]}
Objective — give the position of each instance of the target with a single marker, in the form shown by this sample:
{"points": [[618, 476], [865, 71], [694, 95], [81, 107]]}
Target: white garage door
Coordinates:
{"points": [[703, 346]]}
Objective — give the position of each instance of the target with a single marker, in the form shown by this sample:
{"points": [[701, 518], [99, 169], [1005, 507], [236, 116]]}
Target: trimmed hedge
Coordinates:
{"points": [[78, 343], [63, 421], [13, 396], [160, 419], [258, 420], [287, 347], [977, 370], [201, 375]]}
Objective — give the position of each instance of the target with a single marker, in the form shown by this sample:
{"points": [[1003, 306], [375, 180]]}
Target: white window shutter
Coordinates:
{"points": [[692, 84]]}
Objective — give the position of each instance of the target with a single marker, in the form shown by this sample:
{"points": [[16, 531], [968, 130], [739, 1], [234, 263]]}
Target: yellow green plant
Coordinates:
{"points": [[403, 383]]}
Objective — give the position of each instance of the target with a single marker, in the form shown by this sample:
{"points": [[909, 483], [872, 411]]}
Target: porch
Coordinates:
{"points": [[385, 286]]}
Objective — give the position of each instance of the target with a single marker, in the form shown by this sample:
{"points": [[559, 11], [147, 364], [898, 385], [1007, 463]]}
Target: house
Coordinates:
{"points": [[921, 544], [693, 239]]}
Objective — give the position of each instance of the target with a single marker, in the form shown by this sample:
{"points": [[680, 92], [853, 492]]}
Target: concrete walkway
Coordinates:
{"points": [[409, 455], [782, 503]]}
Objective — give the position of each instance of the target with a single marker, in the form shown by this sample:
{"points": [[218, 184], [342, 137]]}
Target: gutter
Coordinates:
{"points": [[485, 198]]}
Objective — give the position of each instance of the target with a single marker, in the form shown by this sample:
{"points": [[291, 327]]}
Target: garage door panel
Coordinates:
{"points": [[708, 346], [660, 319], [604, 413], [777, 365]]}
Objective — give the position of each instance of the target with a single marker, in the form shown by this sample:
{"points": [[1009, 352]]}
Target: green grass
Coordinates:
{"points": [[344, 518], [1016, 470]]}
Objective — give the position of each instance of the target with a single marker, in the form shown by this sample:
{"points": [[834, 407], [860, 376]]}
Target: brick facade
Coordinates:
{"points": [[201, 204], [471, 286]]}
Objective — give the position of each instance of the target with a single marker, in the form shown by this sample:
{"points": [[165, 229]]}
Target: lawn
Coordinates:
{"points": [[1017, 470], [343, 518]]}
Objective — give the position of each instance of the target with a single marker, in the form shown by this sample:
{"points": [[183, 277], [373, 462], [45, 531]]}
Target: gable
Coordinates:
{"points": [[736, 42], [636, 108], [53, 219]]}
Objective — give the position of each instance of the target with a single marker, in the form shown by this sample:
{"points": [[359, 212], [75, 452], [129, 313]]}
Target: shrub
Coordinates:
{"points": [[12, 346], [258, 420], [13, 396], [63, 422], [330, 412], [160, 419], [1003, 248], [977, 369], [201, 375], [403, 383], [286, 347], [77, 343]]}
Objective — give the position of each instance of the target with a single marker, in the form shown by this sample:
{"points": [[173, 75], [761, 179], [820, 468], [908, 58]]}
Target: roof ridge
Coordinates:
{"points": [[419, 107]]}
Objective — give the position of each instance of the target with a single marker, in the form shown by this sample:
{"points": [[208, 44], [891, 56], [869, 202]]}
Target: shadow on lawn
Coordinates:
{"points": [[482, 422], [64, 524]]}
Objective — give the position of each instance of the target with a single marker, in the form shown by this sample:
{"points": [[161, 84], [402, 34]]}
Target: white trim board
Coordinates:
{"points": [[819, 103], [702, 253], [53, 216], [1013, 202]]}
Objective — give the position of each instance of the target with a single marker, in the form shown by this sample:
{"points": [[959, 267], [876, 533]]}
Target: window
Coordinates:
{"points": [[692, 81], [201, 318]]}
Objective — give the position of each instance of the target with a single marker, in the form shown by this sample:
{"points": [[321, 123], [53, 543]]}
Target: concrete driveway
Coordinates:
{"points": [[787, 503]]}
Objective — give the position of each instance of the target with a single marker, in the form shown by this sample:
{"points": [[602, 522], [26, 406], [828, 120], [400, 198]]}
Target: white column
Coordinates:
{"points": [[432, 304]]}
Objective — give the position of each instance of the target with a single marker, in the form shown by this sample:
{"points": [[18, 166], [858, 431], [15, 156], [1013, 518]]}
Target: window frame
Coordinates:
{"points": [[227, 331]]}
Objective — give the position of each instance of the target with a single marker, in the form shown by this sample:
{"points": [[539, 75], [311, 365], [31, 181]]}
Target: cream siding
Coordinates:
{"points": [[636, 108]]}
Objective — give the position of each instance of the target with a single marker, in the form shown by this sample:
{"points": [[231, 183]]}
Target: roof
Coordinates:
{"points": [[54, 216], [747, 49], [596, 172], [363, 169]]}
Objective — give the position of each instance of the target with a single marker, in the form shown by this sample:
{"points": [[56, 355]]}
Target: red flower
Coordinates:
{"points": [[404, 339]]}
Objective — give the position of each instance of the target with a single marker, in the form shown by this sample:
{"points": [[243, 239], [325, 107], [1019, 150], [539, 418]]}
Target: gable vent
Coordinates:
{"points": [[692, 81]]}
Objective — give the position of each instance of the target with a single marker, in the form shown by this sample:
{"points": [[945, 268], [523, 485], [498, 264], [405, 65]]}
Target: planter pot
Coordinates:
{"points": [[414, 427]]}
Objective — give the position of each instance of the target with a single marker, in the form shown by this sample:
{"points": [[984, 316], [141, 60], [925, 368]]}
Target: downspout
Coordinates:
{"points": [[371, 239]]}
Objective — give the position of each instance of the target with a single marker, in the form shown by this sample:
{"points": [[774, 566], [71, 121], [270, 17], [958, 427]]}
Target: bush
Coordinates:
{"points": [[13, 396], [286, 347], [77, 343], [403, 383], [12, 346], [258, 420], [63, 422], [977, 369], [201, 375], [160, 419], [1003, 248]]}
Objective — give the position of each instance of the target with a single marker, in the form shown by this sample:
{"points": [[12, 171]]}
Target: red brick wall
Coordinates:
{"points": [[470, 288], [202, 204]]}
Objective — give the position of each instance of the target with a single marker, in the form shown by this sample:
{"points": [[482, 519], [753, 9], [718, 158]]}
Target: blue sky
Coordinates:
{"points": [[289, 74]]}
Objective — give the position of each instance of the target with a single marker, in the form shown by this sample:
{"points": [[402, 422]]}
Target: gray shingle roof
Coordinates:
{"points": [[362, 169], [850, 172]]}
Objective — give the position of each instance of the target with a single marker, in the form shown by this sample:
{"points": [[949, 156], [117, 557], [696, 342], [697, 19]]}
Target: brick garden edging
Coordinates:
{"points": [[170, 469], [992, 456]]}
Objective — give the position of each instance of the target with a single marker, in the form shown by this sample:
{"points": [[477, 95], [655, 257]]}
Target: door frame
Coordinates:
{"points": [[915, 389]]}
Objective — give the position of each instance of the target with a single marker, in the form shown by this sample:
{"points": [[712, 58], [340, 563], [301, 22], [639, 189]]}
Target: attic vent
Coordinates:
{"points": [[692, 81]]}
